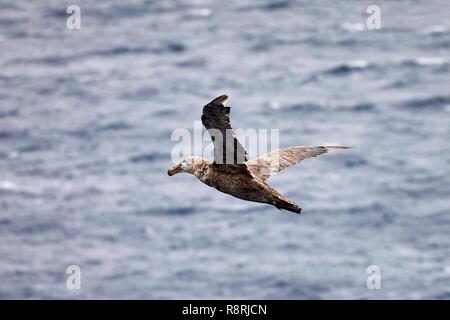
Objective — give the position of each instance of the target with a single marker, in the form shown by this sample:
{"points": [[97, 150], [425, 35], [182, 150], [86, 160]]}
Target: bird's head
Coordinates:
{"points": [[189, 165]]}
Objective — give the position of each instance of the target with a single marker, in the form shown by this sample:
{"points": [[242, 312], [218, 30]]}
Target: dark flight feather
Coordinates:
{"points": [[229, 154]]}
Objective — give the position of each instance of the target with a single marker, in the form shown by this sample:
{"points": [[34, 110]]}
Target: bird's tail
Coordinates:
{"points": [[285, 205]]}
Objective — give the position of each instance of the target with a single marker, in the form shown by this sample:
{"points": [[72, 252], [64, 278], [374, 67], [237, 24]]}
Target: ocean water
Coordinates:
{"points": [[86, 118]]}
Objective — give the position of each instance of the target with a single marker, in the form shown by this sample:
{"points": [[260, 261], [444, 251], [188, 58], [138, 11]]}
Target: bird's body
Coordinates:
{"points": [[232, 173], [240, 184]]}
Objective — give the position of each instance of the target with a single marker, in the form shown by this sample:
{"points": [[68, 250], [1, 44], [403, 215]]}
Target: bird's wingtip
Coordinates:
{"points": [[339, 147], [288, 207], [223, 99]]}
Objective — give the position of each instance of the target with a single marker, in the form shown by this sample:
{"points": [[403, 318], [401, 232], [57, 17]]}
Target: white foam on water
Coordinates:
{"points": [[8, 185], [358, 64], [201, 12], [436, 29], [353, 26], [430, 61]]}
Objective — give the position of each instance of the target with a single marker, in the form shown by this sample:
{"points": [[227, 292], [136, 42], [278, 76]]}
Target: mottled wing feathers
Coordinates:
{"points": [[227, 149], [278, 160]]}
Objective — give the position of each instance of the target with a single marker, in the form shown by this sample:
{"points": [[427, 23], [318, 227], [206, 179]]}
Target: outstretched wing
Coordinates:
{"points": [[278, 160], [228, 152]]}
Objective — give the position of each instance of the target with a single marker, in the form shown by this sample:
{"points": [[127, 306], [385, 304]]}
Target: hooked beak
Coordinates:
{"points": [[175, 169]]}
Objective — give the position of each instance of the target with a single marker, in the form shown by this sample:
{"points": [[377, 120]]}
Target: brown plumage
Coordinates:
{"points": [[231, 172]]}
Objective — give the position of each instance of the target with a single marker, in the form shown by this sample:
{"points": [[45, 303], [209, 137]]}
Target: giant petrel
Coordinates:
{"points": [[231, 172]]}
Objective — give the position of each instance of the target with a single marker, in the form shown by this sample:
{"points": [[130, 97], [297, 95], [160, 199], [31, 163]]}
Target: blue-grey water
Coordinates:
{"points": [[86, 118]]}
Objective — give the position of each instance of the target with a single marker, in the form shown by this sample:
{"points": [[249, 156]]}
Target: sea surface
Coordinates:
{"points": [[86, 118]]}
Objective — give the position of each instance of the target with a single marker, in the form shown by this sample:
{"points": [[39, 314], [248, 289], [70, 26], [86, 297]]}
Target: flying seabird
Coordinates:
{"points": [[231, 172]]}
